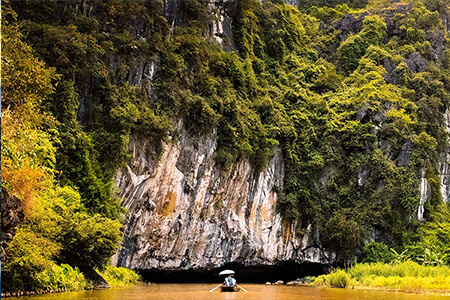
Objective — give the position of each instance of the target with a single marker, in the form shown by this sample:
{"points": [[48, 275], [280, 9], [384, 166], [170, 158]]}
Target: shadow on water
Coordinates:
{"points": [[252, 274]]}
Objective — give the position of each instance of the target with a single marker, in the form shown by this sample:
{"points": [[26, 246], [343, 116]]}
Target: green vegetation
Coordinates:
{"points": [[61, 277], [407, 276], [329, 13], [377, 252], [336, 279], [59, 233], [354, 47], [422, 266], [119, 277], [358, 116]]}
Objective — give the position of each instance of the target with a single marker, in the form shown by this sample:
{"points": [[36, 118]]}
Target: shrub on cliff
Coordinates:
{"points": [[355, 46], [377, 252], [28, 255]]}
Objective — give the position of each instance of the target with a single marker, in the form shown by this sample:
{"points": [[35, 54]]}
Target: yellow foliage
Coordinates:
{"points": [[23, 182], [27, 157]]}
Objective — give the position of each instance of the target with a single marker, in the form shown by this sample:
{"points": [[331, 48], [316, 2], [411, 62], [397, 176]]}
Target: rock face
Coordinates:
{"points": [[294, 3], [445, 165], [350, 24], [187, 214], [184, 213], [12, 215], [416, 63]]}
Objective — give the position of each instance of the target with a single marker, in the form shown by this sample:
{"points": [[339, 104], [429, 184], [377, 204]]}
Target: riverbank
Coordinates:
{"points": [[408, 277], [64, 278]]}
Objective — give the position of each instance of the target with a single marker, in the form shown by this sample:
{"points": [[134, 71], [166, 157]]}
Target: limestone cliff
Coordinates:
{"points": [[184, 213]]}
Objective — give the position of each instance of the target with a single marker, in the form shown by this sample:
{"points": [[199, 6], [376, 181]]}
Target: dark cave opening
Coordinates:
{"points": [[285, 271]]}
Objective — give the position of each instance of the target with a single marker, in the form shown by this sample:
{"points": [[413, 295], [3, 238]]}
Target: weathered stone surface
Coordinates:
{"points": [[380, 117], [362, 111], [437, 41], [392, 75], [425, 194], [221, 30], [186, 214], [444, 165], [363, 175], [416, 63], [349, 24], [145, 71], [327, 173], [173, 11], [405, 154], [446, 22], [294, 3]]}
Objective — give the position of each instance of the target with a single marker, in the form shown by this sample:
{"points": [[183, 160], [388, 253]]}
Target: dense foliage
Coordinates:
{"points": [[357, 112], [58, 228]]}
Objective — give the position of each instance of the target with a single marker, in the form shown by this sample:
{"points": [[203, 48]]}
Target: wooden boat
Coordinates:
{"points": [[229, 288]]}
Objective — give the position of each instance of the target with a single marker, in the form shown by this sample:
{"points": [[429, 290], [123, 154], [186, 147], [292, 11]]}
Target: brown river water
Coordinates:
{"points": [[255, 291]]}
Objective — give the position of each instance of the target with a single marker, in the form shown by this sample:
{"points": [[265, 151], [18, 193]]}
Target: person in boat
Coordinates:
{"points": [[230, 281]]}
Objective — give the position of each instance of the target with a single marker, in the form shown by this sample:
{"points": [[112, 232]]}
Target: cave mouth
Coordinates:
{"points": [[285, 271]]}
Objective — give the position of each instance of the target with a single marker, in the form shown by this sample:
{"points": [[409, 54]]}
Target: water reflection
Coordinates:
{"points": [[256, 292]]}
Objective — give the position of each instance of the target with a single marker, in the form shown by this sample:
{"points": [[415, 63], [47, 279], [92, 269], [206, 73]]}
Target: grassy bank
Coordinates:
{"points": [[405, 276], [62, 278], [119, 277]]}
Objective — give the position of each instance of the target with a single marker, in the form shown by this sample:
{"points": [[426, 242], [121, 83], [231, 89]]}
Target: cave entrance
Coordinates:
{"points": [[285, 271]]}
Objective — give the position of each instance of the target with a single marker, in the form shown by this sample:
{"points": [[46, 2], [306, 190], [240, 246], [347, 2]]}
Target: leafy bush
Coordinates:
{"points": [[339, 279], [435, 237], [336, 279], [117, 277], [28, 255], [377, 252], [355, 46], [327, 13], [85, 240], [61, 277]]}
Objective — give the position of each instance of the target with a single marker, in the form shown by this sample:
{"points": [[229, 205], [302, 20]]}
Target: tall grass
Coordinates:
{"points": [[405, 276], [337, 278], [61, 277], [119, 277], [403, 269]]}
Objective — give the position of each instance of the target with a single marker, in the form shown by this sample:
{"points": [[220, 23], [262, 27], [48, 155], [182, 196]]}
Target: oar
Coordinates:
{"points": [[242, 288], [215, 288]]}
